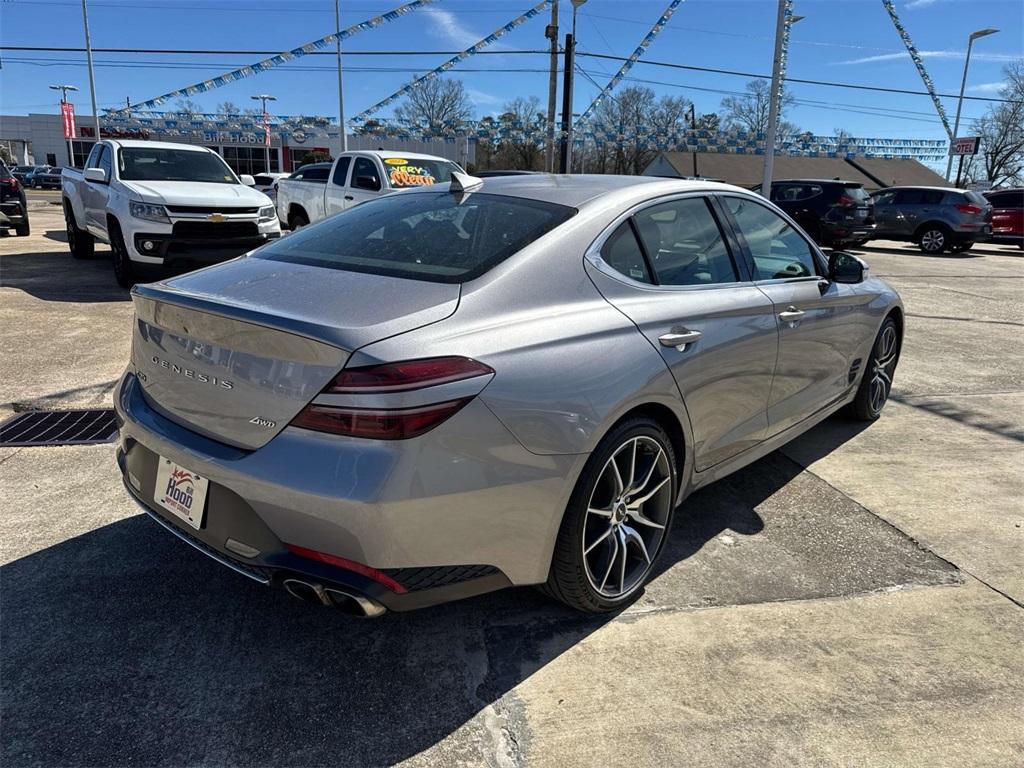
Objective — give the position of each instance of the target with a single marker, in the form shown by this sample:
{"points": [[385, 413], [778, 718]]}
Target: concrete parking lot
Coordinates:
{"points": [[856, 599]]}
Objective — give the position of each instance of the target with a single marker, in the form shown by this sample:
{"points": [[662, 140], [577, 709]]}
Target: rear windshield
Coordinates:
{"points": [[976, 197], [431, 236], [857, 193], [164, 164], [417, 173]]}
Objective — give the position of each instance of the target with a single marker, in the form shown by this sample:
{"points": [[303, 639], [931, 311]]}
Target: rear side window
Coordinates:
{"points": [[621, 252], [319, 173], [433, 236], [919, 197]]}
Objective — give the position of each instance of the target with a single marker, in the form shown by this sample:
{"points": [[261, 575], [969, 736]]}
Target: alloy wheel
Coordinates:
{"points": [[933, 241], [882, 368], [626, 517]]}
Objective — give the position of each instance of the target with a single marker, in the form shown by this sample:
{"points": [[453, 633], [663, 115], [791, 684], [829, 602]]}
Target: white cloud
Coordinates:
{"points": [[446, 25], [1000, 57], [987, 87], [482, 98], [915, 4]]}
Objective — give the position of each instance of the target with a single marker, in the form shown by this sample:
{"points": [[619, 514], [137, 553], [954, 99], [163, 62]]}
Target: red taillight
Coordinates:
{"points": [[845, 201], [967, 208], [11, 182], [349, 565], [399, 423], [406, 375], [378, 424]]}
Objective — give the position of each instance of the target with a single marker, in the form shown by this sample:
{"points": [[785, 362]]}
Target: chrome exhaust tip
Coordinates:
{"points": [[351, 604], [306, 592]]}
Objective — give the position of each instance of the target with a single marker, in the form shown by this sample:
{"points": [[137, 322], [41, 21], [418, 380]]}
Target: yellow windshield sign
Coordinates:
{"points": [[395, 161]]}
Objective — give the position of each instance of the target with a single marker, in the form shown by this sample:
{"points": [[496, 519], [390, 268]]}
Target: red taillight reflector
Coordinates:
{"points": [[967, 208], [349, 565], [406, 375], [845, 202], [378, 424]]}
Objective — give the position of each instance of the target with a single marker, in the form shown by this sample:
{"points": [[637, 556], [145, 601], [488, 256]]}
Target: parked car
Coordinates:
{"points": [[271, 192], [264, 181], [310, 195], [936, 218], [462, 387], [45, 177], [21, 172], [163, 204], [1007, 216], [834, 213], [13, 205]]}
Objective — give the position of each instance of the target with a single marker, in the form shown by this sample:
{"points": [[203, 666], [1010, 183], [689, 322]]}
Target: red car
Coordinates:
{"points": [[1007, 216]]}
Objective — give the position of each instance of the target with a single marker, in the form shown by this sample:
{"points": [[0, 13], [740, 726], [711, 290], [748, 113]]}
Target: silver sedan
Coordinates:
{"points": [[463, 387]]}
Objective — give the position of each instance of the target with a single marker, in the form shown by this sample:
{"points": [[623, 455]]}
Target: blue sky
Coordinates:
{"points": [[849, 41]]}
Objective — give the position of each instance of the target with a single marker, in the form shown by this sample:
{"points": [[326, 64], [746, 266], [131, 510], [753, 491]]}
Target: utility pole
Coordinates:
{"points": [[693, 136], [551, 32], [92, 78], [64, 100], [341, 98], [566, 158], [265, 97], [773, 101], [960, 103]]}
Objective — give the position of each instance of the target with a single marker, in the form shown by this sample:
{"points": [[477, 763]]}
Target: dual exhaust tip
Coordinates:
{"points": [[356, 605]]}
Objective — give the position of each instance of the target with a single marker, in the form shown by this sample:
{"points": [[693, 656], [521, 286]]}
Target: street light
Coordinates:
{"points": [[963, 83], [265, 97], [570, 65], [64, 100], [341, 98], [773, 99]]}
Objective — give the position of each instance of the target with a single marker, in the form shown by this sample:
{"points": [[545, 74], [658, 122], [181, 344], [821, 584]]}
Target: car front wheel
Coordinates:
{"points": [[617, 520], [877, 381]]}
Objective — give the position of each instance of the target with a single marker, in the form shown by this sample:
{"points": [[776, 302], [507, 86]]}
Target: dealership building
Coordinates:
{"points": [[37, 139]]}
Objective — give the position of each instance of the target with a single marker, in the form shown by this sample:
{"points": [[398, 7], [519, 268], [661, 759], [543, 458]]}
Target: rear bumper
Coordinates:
{"points": [[459, 511]]}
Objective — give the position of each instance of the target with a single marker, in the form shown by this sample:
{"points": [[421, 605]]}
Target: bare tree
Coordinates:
{"points": [[525, 129], [438, 105], [187, 107], [1001, 155], [749, 112], [637, 114]]}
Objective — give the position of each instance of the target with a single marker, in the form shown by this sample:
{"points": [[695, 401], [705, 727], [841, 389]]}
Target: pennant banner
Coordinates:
{"points": [[633, 58], [919, 63], [460, 57], [281, 58]]}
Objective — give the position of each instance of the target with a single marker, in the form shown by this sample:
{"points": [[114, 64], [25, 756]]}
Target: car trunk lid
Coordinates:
{"points": [[235, 351]]}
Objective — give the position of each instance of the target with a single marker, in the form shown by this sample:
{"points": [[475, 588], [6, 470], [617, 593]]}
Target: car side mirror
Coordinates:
{"points": [[367, 182], [96, 174], [247, 180], [846, 268]]}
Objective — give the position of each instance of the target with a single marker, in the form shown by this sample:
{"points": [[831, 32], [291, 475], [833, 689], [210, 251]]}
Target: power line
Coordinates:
{"points": [[236, 52]]}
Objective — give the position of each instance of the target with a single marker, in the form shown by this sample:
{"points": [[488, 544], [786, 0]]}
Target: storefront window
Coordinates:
{"points": [[79, 152], [251, 160]]}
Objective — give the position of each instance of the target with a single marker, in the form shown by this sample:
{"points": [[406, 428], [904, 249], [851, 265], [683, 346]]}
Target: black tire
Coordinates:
{"points": [[124, 270], [297, 220], [868, 403], [933, 239], [568, 579], [961, 247], [24, 229], [80, 242]]}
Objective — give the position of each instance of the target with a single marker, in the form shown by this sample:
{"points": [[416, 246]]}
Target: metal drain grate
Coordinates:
{"points": [[83, 427]]}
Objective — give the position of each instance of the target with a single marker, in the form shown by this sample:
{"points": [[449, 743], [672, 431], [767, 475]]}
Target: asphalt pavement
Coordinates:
{"points": [[854, 599]]}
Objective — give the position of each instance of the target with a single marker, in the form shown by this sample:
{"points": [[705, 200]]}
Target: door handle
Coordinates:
{"points": [[349, 197], [679, 338], [791, 315]]}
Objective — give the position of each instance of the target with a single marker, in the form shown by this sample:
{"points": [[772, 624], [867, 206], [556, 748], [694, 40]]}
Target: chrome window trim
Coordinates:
{"points": [[593, 253]]}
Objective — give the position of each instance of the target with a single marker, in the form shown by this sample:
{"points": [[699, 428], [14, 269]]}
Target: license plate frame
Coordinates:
{"points": [[181, 492]]}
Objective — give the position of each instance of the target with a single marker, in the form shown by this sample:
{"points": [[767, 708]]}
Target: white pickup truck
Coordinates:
{"points": [[316, 193], [163, 204]]}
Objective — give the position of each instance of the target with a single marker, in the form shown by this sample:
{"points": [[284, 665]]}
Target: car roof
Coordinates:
{"points": [[578, 189], [382, 153], [818, 181], [132, 143], [932, 189]]}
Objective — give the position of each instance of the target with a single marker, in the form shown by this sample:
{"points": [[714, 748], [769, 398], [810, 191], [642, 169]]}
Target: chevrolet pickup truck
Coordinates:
{"points": [[163, 204], [354, 178]]}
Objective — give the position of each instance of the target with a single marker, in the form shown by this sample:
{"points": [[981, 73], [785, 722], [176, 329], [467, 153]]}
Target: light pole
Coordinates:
{"points": [[551, 32], [265, 97], [64, 100], [570, 74], [92, 79], [341, 99], [963, 83], [773, 99]]}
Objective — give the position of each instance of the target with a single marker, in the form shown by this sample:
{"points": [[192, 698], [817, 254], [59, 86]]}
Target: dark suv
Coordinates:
{"points": [[13, 205], [834, 213], [936, 218]]}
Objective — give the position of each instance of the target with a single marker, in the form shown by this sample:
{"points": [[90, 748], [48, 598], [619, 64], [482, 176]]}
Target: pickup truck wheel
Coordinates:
{"points": [[80, 242], [124, 271], [297, 221]]}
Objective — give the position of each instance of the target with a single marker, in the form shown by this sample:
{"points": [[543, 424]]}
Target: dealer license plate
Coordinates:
{"points": [[181, 492]]}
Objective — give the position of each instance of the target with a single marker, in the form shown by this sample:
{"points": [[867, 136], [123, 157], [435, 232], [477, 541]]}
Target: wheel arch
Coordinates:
{"points": [[294, 208], [931, 224]]}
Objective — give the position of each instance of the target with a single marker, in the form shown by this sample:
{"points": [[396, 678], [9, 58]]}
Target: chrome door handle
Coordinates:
{"points": [[679, 338], [791, 315]]}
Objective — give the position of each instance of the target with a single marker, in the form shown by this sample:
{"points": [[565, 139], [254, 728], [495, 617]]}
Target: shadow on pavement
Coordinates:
{"points": [[56, 276], [124, 646]]}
